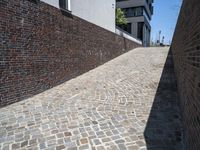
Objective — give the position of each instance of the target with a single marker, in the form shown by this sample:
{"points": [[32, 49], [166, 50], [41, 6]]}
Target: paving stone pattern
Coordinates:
{"points": [[106, 108]]}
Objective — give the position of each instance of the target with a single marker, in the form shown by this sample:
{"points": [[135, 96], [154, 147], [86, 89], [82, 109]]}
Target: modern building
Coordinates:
{"points": [[98, 12], [138, 14]]}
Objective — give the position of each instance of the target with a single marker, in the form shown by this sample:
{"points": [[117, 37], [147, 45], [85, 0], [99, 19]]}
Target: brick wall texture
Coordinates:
{"points": [[186, 54], [41, 48]]}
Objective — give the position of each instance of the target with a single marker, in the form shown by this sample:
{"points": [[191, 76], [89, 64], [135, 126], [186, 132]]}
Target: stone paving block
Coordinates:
{"points": [[60, 147], [84, 141]]}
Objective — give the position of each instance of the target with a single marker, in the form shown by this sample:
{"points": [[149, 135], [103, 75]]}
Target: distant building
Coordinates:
{"points": [[138, 14], [99, 12]]}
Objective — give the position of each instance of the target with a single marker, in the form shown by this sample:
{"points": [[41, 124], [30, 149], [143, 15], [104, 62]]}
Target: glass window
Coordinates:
{"points": [[133, 11], [138, 11], [64, 4], [140, 30]]}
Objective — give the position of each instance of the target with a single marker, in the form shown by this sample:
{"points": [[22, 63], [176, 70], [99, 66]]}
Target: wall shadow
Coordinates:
{"points": [[164, 129]]}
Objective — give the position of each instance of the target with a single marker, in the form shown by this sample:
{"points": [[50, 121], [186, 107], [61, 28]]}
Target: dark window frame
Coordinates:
{"points": [[65, 9], [140, 26], [63, 4]]}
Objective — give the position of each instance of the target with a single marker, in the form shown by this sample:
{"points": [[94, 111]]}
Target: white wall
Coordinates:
{"points": [[54, 3], [99, 12]]}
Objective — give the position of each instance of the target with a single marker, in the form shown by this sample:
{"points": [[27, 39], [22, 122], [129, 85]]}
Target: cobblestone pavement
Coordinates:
{"points": [[107, 108]]}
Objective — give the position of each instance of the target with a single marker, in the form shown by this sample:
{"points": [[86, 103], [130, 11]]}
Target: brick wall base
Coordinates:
{"points": [[186, 53], [41, 47]]}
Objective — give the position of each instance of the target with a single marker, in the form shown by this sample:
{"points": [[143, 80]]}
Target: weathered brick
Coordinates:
{"points": [[186, 55], [42, 48]]}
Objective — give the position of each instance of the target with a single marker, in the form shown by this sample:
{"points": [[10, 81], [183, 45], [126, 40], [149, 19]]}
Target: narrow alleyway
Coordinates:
{"points": [[128, 103]]}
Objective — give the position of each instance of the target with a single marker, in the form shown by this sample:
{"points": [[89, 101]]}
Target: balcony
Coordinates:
{"points": [[136, 3]]}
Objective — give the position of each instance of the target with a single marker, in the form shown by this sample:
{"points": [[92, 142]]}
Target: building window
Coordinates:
{"points": [[136, 12], [140, 30], [133, 11], [128, 29], [64, 4]]}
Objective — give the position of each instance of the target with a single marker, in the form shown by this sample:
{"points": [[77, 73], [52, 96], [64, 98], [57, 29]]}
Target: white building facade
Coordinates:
{"points": [[98, 12]]}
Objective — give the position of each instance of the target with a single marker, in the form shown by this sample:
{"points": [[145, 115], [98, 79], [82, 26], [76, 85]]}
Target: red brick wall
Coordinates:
{"points": [[41, 48], [186, 52]]}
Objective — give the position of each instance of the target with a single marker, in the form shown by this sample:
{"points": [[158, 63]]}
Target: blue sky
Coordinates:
{"points": [[164, 18]]}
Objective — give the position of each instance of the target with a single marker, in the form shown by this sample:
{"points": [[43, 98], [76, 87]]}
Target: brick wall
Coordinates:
{"points": [[41, 48], [186, 52]]}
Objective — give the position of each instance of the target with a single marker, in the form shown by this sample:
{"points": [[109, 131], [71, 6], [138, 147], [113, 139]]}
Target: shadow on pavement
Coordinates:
{"points": [[164, 126]]}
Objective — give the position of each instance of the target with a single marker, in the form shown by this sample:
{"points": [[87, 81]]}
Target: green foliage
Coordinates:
{"points": [[120, 17]]}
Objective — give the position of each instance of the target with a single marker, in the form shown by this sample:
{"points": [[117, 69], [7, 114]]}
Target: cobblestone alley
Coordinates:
{"points": [[129, 103]]}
